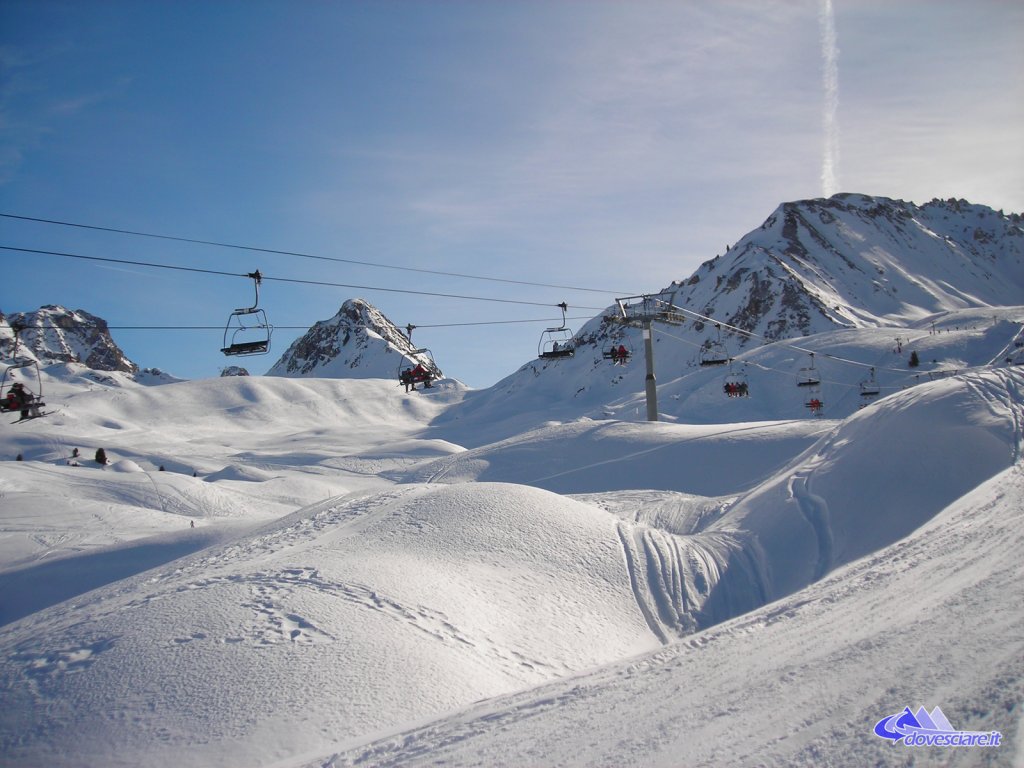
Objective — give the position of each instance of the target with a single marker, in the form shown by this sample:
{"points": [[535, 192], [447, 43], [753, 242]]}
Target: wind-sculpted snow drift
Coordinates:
{"points": [[877, 477], [869, 481], [933, 617]]}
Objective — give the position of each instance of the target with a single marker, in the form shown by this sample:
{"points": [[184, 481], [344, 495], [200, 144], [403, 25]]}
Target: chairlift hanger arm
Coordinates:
{"points": [[257, 278]]}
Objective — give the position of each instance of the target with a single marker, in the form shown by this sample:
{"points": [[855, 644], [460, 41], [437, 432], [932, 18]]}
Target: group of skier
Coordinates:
{"points": [[736, 389], [619, 355], [410, 377]]}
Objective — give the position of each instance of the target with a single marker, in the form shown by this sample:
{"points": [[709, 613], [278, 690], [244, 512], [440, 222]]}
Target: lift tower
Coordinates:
{"points": [[641, 312]]}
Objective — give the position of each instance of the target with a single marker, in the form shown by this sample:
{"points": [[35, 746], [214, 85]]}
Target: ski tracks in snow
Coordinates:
{"points": [[815, 510], [671, 577], [283, 603], [1003, 393]]}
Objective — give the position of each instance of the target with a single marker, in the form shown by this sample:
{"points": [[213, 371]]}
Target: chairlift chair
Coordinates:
{"points": [[736, 384], [620, 353], [418, 367], [869, 387], [714, 352], [248, 331], [808, 376], [557, 342]]}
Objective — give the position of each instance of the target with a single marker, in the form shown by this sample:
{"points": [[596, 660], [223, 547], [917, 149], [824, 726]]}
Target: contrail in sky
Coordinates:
{"points": [[830, 123]]}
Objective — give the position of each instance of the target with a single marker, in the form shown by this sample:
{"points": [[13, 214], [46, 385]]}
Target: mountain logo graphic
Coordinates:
{"points": [[931, 729]]}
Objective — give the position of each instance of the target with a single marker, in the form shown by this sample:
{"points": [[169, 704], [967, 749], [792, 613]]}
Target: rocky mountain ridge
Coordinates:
{"points": [[358, 342], [54, 334]]}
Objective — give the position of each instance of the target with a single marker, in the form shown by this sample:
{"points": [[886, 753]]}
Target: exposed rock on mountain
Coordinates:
{"points": [[850, 261], [883, 266], [358, 342], [54, 334]]}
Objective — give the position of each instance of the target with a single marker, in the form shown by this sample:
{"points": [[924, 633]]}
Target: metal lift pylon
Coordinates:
{"points": [[641, 311]]}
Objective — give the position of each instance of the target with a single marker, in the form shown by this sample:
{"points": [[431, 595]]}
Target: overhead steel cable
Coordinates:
{"points": [[296, 327], [763, 367], [293, 280], [299, 254], [780, 342]]}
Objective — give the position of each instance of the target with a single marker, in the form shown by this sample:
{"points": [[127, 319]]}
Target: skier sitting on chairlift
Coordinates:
{"points": [[736, 389], [420, 373], [20, 399], [412, 376]]}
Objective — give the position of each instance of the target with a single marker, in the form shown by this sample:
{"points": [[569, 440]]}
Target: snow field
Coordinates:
{"points": [[416, 578], [379, 608], [934, 617]]}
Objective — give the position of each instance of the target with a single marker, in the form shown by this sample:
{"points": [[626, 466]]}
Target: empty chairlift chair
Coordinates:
{"points": [[808, 376], [714, 352], [869, 388], [248, 331]]}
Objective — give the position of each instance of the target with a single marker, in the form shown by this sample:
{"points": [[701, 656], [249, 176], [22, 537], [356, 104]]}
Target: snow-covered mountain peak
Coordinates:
{"points": [[860, 261], [54, 334], [358, 342], [869, 268]]}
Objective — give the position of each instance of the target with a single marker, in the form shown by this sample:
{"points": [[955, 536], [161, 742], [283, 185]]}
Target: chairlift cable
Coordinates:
{"points": [[783, 343], [762, 367], [298, 327], [277, 252], [288, 279]]}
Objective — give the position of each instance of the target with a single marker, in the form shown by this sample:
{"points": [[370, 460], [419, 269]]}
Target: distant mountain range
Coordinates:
{"points": [[851, 261]]}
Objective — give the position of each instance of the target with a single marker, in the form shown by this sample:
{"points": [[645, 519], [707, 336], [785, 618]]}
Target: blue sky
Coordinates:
{"points": [[605, 145]]}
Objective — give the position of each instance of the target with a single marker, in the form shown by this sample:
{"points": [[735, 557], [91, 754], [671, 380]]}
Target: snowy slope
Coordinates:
{"points": [[590, 457], [354, 571], [932, 620], [237, 452], [588, 386], [350, 615]]}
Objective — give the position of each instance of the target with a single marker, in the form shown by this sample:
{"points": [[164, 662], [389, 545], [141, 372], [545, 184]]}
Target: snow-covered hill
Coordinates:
{"points": [[933, 620], [353, 573]]}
